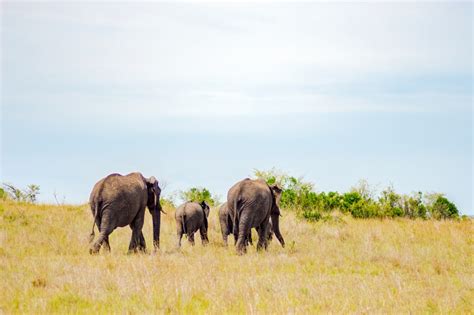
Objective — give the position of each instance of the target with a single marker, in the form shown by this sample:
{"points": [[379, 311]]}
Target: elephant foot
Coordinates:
{"points": [[94, 250], [260, 247], [241, 251]]}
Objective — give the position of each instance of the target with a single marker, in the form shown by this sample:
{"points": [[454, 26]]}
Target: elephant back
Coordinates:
{"points": [[124, 191]]}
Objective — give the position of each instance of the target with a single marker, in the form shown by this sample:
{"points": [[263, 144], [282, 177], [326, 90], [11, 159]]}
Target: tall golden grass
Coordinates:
{"points": [[343, 266]]}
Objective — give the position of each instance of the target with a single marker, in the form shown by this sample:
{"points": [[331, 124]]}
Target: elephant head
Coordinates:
{"points": [[154, 205], [275, 212]]}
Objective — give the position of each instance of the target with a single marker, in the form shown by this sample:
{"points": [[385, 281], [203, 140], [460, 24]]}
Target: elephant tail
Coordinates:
{"points": [[95, 211], [236, 218], [183, 220]]}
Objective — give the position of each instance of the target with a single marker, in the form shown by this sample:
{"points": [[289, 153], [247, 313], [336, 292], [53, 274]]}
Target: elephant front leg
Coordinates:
{"points": [[191, 238], [137, 242], [142, 243], [134, 241], [249, 237]]}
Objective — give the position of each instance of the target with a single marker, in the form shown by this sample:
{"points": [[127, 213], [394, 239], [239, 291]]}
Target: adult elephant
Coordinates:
{"points": [[251, 203], [117, 201]]}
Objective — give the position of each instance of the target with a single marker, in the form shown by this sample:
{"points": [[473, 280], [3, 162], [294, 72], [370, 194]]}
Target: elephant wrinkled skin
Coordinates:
{"points": [[190, 217], [117, 201], [251, 203]]}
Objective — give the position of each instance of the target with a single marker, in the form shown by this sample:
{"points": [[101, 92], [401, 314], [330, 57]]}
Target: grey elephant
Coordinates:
{"points": [[225, 221], [251, 204], [117, 201], [191, 217]]}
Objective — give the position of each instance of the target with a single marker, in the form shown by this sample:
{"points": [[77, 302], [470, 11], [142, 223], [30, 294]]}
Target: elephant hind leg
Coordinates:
{"points": [[224, 237], [137, 241], [106, 244], [179, 232], [105, 229], [103, 237], [262, 235], [225, 230], [242, 239]]}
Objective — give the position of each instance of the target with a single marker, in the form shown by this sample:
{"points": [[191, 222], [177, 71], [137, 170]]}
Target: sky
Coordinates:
{"points": [[201, 94]]}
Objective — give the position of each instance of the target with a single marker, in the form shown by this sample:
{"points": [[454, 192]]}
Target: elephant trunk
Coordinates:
{"points": [[276, 228], [156, 214]]}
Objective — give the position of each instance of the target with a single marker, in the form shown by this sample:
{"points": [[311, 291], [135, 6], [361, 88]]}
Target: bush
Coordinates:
{"points": [[199, 195], [311, 214], [167, 202], [365, 209], [3, 194], [413, 206], [390, 203], [349, 199], [444, 209], [27, 195], [361, 201]]}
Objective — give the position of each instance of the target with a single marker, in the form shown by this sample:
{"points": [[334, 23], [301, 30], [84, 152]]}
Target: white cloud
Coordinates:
{"points": [[223, 60]]}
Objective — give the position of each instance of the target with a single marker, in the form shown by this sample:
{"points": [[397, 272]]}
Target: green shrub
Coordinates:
{"points": [[365, 209], [413, 206], [311, 214], [199, 195], [3, 194], [443, 209], [27, 195], [361, 201], [349, 199]]}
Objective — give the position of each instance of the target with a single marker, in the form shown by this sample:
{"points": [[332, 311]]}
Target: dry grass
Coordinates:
{"points": [[353, 266]]}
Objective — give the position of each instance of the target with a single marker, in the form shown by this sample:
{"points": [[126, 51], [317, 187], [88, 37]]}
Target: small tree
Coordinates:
{"points": [[14, 192], [390, 202], [197, 194], [364, 190], [31, 192], [444, 209], [413, 206], [27, 195]]}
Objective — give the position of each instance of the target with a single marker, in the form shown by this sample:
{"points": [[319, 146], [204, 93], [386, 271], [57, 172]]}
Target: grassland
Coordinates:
{"points": [[345, 266]]}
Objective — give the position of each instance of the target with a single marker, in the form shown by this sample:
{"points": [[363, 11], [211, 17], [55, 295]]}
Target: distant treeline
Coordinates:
{"points": [[300, 196], [361, 201]]}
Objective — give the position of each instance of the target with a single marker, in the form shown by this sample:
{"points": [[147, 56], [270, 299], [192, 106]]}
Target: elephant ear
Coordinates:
{"points": [[154, 192], [152, 183], [276, 195], [205, 207]]}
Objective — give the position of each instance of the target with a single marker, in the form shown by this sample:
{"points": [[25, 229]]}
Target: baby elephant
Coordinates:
{"points": [[190, 217], [226, 224]]}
